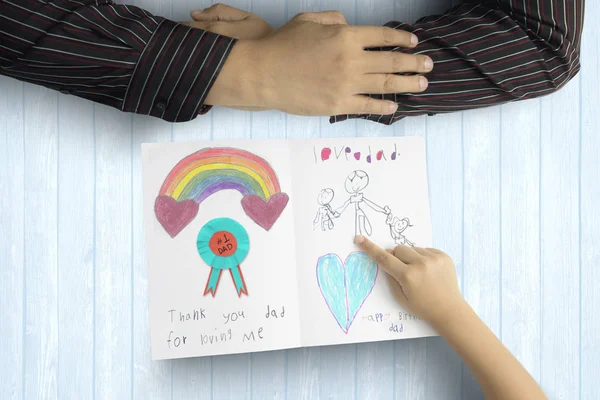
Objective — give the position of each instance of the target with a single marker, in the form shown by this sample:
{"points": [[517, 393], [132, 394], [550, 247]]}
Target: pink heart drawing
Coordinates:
{"points": [[264, 213], [173, 215], [357, 155]]}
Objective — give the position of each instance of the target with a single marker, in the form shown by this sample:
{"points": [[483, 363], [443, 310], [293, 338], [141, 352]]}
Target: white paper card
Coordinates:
{"points": [[250, 243]]}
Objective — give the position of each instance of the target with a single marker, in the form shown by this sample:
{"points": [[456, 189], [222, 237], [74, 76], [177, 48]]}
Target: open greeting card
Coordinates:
{"points": [[250, 243]]}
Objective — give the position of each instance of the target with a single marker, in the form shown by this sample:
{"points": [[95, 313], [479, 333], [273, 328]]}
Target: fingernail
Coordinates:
{"points": [[423, 83], [359, 239], [197, 12], [393, 107], [414, 39], [428, 64]]}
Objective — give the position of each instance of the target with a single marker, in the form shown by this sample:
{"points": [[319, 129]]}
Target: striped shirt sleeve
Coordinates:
{"points": [[117, 55], [491, 52]]}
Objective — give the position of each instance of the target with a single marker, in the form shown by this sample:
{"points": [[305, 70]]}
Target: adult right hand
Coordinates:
{"points": [[316, 64]]}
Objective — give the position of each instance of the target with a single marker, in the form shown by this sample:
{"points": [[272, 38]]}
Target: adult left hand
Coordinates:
{"points": [[230, 21], [233, 22]]}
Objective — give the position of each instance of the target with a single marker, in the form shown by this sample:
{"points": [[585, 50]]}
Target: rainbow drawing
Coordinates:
{"points": [[208, 171]]}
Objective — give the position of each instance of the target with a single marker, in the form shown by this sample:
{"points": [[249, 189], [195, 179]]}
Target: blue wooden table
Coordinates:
{"points": [[515, 200]]}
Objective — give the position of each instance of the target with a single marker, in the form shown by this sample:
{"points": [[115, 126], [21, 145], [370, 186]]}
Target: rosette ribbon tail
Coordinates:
{"points": [[213, 281], [238, 281]]}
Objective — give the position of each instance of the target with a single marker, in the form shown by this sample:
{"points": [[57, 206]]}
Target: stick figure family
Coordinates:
{"points": [[355, 184]]}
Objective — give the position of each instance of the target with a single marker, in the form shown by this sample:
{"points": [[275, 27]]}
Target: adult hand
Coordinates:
{"points": [[423, 280], [316, 64], [230, 21]]}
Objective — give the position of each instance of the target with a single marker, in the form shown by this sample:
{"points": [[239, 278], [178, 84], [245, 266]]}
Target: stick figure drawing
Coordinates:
{"points": [[325, 214], [397, 228], [355, 184]]}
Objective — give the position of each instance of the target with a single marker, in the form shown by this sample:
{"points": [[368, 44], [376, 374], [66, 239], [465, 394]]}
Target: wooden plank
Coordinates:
{"points": [[181, 11], [114, 295], [12, 246], [410, 369], [303, 365], [411, 10], [589, 347], [151, 379], [375, 370], [338, 364], [410, 356], [192, 377], [303, 373], [269, 369], [227, 376], [76, 184], [308, 373], [337, 372], [231, 378], [41, 267], [232, 375], [520, 227], [559, 233], [375, 376], [445, 172], [481, 271]]}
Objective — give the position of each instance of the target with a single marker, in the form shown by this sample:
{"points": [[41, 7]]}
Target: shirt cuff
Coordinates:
{"points": [[176, 71]]}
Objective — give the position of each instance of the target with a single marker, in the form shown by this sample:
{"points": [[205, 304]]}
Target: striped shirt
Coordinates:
{"points": [[485, 53], [491, 52], [118, 55]]}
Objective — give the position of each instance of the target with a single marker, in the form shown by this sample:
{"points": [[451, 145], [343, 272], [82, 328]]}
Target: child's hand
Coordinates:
{"points": [[423, 280], [389, 218]]}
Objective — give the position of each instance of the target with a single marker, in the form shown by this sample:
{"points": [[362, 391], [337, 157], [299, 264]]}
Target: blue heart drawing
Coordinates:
{"points": [[345, 285]]}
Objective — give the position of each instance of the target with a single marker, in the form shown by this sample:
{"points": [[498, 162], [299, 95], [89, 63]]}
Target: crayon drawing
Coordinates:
{"points": [[211, 170], [223, 244], [345, 285]]}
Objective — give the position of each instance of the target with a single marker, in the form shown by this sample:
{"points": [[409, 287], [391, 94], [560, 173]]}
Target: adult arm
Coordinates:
{"points": [[118, 55], [490, 52], [375, 207], [126, 58], [343, 207]]}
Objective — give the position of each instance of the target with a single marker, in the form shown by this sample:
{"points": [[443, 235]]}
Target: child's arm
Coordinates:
{"points": [[424, 282], [332, 214], [499, 373]]}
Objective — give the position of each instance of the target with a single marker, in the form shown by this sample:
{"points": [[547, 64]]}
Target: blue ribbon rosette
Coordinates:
{"points": [[223, 244]]}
